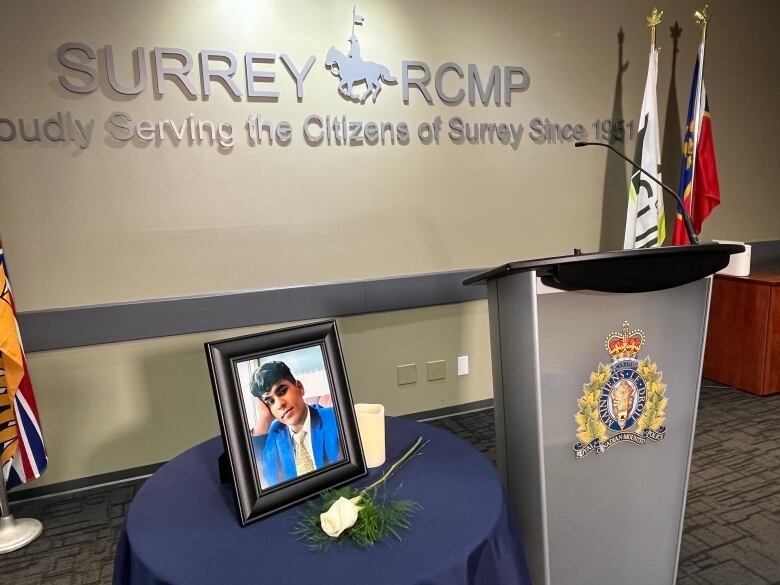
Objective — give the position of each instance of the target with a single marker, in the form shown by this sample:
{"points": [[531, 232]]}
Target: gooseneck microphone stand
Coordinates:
{"points": [[692, 237]]}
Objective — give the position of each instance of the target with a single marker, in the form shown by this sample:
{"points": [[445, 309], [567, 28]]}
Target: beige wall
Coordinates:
{"points": [[122, 222]]}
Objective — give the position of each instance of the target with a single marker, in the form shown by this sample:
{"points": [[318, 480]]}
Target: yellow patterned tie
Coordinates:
{"points": [[303, 462]]}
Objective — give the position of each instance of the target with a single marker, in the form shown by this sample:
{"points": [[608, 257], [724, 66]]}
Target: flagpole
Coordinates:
{"points": [[647, 123], [702, 18], [4, 507], [14, 534]]}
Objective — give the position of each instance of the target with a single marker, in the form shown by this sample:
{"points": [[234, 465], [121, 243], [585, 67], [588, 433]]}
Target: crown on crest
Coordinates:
{"points": [[625, 344]]}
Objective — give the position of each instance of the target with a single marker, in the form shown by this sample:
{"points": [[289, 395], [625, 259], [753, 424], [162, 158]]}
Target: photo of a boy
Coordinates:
{"points": [[291, 438]]}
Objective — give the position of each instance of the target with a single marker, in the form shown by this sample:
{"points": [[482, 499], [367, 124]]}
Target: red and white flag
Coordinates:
{"points": [[699, 187]]}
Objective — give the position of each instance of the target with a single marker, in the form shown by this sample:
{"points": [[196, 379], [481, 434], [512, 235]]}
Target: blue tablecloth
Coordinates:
{"points": [[182, 527]]}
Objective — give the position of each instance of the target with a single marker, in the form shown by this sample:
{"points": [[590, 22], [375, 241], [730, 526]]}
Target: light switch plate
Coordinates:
{"points": [[436, 370], [463, 365]]}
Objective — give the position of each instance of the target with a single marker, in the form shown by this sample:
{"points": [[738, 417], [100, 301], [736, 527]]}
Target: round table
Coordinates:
{"points": [[182, 527]]}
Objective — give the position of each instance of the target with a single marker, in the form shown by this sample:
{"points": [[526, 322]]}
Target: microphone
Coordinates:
{"points": [[692, 237]]}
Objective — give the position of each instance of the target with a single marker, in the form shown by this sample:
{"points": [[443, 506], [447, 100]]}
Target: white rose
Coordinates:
{"points": [[341, 515]]}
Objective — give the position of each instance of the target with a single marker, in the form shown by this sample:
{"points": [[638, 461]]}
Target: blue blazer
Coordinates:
{"points": [[274, 451]]}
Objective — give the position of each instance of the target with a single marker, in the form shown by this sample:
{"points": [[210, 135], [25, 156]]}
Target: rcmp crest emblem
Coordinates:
{"points": [[623, 401]]}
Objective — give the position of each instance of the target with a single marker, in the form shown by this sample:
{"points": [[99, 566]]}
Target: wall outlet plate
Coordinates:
{"points": [[407, 374], [437, 370]]}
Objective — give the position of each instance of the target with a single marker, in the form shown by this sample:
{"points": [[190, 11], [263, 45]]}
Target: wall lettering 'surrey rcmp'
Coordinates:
{"points": [[173, 73], [175, 69], [622, 401]]}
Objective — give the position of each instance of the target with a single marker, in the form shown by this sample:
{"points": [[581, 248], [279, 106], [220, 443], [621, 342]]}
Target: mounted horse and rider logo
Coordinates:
{"points": [[351, 69]]}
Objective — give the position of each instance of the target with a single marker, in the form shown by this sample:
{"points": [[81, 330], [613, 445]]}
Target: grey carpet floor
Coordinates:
{"points": [[732, 517]]}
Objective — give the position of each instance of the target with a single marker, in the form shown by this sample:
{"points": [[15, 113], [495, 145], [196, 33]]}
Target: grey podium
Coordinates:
{"points": [[596, 371]]}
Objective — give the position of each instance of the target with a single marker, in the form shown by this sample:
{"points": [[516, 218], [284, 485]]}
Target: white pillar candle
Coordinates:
{"points": [[371, 424]]}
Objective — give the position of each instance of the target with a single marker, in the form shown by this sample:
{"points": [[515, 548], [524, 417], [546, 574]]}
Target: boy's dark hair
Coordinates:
{"points": [[264, 377]]}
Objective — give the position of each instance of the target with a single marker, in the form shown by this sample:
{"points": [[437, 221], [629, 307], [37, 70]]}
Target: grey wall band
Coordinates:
{"points": [[92, 325]]}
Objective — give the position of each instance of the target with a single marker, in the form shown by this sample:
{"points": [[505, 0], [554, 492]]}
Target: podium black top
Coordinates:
{"points": [[623, 271]]}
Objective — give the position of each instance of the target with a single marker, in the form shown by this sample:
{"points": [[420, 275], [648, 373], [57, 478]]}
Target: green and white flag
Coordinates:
{"points": [[645, 224]]}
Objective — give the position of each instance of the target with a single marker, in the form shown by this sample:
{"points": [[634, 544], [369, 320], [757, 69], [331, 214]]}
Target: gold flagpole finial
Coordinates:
{"points": [[702, 16], [653, 21], [703, 19]]}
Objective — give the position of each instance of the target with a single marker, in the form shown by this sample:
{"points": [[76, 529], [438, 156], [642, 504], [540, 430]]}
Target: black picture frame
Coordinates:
{"points": [[224, 356]]}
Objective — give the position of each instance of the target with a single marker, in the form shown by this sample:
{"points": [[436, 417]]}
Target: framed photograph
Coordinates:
{"points": [[286, 415]]}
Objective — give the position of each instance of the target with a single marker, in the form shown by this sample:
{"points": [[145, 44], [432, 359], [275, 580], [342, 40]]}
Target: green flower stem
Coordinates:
{"points": [[376, 521], [416, 446]]}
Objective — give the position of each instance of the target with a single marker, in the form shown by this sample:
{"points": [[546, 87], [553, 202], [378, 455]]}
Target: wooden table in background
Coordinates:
{"points": [[743, 337]]}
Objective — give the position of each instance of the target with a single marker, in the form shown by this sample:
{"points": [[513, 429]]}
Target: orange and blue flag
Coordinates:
{"points": [[699, 186], [22, 453]]}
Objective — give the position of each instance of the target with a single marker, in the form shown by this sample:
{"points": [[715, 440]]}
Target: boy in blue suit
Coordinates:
{"points": [[302, 437]]}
